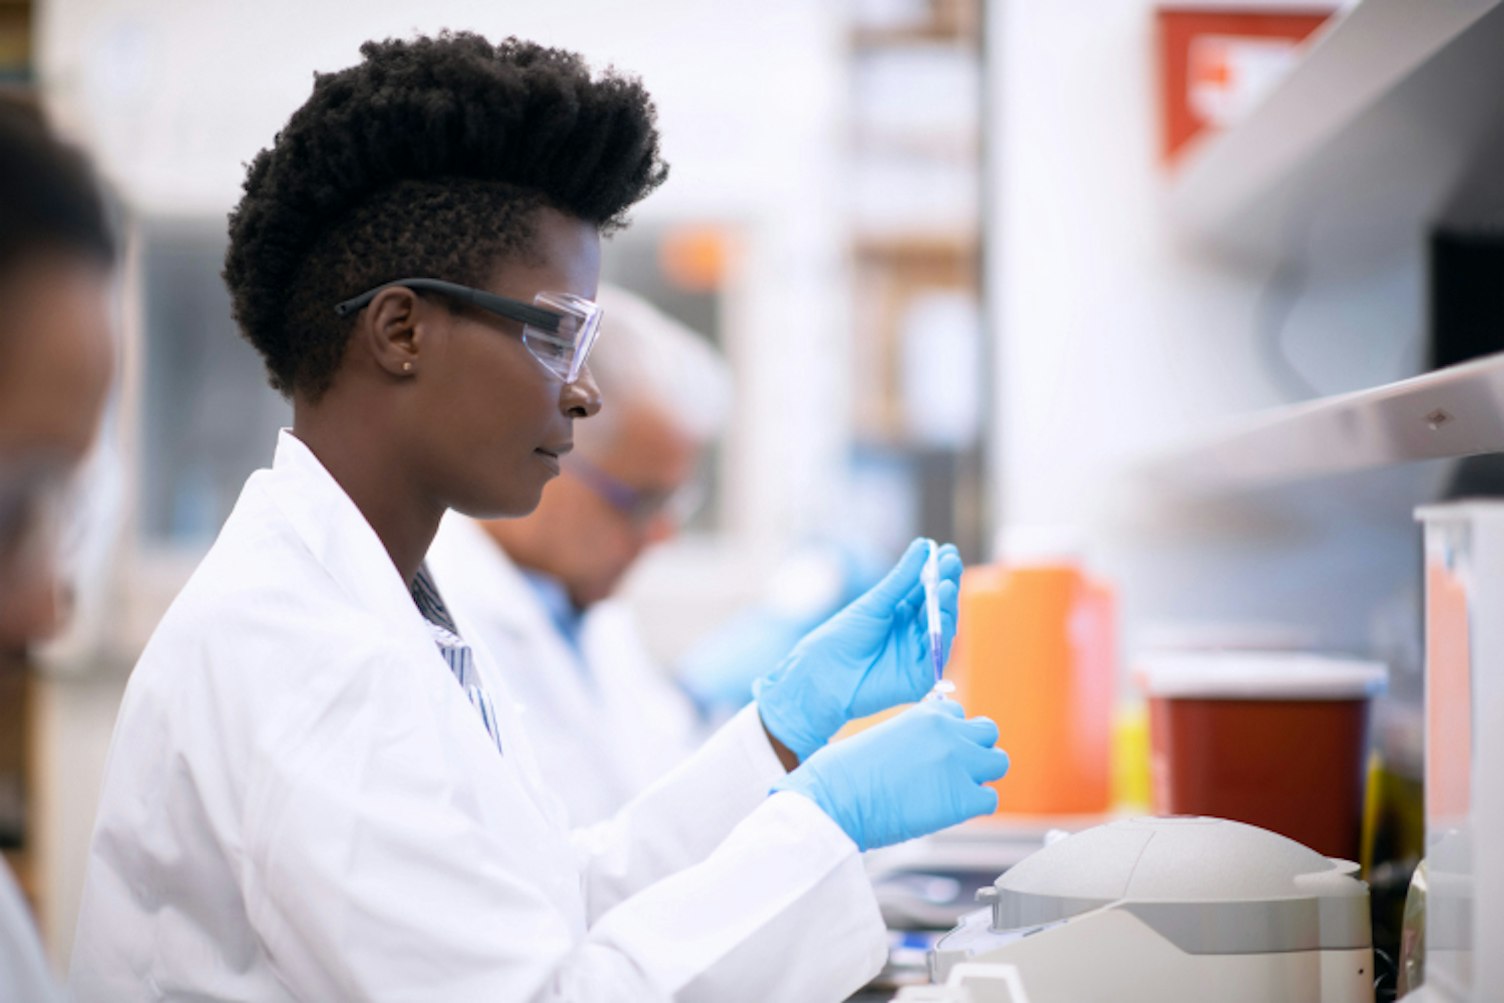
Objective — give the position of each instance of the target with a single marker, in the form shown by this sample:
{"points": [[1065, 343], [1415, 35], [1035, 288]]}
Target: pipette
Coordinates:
{"points": [[929, 577]]}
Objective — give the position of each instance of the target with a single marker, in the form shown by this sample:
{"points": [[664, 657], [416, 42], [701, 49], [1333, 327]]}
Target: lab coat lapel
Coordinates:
{"points": [[485, 569], [478, 567], [342, 541], [502, 615]]}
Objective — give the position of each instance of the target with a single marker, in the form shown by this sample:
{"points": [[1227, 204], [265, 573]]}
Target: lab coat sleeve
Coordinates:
{"points": [[782, 910], [369, 872], [722, 893], [681, 817]]}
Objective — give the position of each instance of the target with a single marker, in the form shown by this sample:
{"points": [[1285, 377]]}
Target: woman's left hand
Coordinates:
{"points": [[872, 655]]}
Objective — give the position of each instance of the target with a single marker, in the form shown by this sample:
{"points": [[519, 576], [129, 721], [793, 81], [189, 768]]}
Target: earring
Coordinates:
{"points": [[407, 367]]}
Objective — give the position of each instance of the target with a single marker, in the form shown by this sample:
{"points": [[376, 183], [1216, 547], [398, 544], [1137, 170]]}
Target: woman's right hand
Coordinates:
{"points": [[918, 773]]}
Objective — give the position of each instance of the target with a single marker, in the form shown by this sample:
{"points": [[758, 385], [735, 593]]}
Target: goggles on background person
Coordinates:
{"points": [[40, 513], [640, 506], [558, 329]]}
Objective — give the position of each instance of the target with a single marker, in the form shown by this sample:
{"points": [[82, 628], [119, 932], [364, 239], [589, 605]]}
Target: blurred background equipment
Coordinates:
{"points": [[223, 416], [16, 44], [1036, 652], [1463, 916]]}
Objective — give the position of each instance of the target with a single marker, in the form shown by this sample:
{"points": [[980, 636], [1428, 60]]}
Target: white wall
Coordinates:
{"points": [[1115, 340]]}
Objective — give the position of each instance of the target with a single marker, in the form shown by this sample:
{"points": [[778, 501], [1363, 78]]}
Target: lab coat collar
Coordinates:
{"points": [[469, 564], [481, 567], [338, 536]]}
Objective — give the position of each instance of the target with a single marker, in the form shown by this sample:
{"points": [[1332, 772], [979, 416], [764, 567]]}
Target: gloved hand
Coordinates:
{"points": [[916, 774], [872, 655]]}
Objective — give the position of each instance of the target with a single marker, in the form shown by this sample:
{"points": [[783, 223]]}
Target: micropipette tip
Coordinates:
{"points": [[930, 577]]}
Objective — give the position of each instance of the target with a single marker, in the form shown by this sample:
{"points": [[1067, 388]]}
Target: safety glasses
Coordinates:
{"points": [[40, 513], [641, 507], [558, 329]]}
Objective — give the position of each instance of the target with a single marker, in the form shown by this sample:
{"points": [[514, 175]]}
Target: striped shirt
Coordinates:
{"points": [[457, 654]]}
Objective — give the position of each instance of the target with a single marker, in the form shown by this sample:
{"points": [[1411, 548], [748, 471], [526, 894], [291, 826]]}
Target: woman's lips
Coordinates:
{"points": [[549, 458]]}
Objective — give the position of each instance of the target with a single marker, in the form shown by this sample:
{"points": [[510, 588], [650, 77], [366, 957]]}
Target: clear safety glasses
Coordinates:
{"points": [[40, 512], [640, 506], [558, 329]]}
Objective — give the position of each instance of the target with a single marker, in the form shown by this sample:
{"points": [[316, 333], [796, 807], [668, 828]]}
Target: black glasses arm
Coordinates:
{"points": [[516, 310]]}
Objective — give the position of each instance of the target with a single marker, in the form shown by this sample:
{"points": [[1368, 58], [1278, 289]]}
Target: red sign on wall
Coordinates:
{"points": [[1217, 64]]}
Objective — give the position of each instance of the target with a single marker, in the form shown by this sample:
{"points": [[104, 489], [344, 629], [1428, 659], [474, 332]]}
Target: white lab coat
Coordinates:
{"points": [[301, 804], [602, 731]]}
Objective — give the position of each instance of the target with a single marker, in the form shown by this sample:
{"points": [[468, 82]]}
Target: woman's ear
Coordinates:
{"points": [[391, 330]]}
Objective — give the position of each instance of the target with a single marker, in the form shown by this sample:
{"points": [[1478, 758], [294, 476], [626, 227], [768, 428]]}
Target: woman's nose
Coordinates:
{"points": [[582, 398]]}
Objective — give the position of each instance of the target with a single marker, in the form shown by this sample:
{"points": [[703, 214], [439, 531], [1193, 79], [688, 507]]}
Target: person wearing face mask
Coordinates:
{"points": [[539, 589], [56, 258], [318, 788]]}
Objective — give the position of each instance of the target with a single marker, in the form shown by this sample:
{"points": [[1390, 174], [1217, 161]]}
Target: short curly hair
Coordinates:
{"points": [[429, 157], [52, 200]]}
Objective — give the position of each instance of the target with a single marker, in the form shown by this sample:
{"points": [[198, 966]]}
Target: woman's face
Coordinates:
{"points": [[494, 421], [55, 312]]}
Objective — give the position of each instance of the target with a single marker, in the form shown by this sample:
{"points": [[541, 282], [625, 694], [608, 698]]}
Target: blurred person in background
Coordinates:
{"points": [[316, 788], [605, 717], [56, 361]]}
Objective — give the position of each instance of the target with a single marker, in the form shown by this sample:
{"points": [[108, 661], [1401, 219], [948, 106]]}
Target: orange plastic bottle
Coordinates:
{"points": [[1035, 651]]}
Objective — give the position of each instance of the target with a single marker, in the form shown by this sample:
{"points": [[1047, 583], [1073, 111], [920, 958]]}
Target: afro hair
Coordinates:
{"points": [[429, 157], [51, 198]]}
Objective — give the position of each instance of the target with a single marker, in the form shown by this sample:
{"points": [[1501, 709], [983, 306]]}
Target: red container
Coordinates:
{"points": [[1274, 740]]}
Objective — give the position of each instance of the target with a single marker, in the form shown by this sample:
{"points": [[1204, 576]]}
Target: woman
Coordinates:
{"points": [[317, 790], [56, 268]]}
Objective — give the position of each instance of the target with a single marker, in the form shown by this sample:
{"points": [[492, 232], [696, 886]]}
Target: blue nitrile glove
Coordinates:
{"points": [[916, 774], [872, 655]]}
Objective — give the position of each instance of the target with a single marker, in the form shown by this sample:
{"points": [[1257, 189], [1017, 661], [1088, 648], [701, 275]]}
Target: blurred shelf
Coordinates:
{"points": [[924, 34], [893, 440], [1458, 411], [953, 21], [948, 144], [1365, 140], [916, 245], [959, 29]]}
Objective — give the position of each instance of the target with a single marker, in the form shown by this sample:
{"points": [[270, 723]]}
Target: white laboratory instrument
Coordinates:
{"points": [[1160, 910], [971, 983]]}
